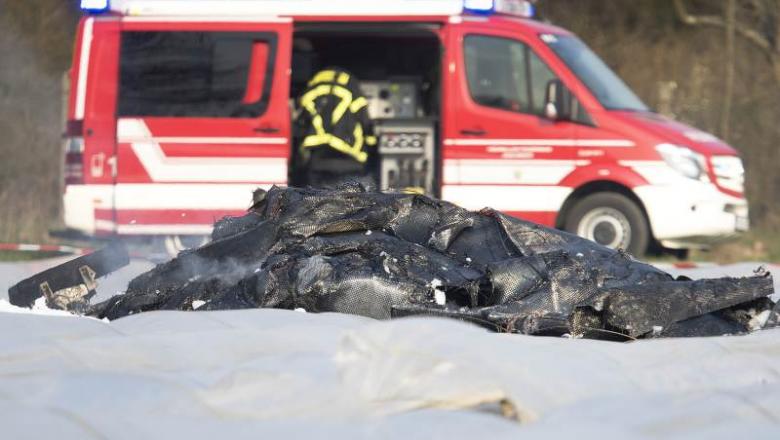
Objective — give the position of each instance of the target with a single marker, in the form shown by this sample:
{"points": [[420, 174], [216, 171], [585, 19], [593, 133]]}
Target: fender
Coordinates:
{"points": [[603, 172]]}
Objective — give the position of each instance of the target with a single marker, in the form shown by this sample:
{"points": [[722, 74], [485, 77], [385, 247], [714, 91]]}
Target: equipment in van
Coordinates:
{"points": [[388, 255], [337, 141], [392, 99], [405, 133], [406, 147]]}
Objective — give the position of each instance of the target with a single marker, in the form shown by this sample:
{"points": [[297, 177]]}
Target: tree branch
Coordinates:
{"points": [[687, 18], [758, 7], [712, 20]]}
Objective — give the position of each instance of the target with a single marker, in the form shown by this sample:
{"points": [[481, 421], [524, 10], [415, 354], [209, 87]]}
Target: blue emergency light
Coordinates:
{"points": [[94, 5], [478, 6], [520, 8]]}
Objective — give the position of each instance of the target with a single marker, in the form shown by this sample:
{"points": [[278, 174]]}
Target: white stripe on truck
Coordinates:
{"points": [[162, 168], [81, 84], [542, 142]]}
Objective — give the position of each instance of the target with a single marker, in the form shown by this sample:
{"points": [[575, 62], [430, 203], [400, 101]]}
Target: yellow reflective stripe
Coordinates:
{"points": [[320, 137], [357, 104], [324, 76], [315, 140], [358, 133], [352, 150], [338, 144], [329, 76], [307, 100], [316, 121], [346, 100]]}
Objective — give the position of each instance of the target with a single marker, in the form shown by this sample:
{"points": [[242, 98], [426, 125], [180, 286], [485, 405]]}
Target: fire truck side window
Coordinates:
{"points": [[506, 74], [541, 75], [194, 74], [495, 72]]}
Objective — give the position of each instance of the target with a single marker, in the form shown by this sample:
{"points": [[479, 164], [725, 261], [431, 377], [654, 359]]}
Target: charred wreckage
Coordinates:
{"points": [[388, 255]]}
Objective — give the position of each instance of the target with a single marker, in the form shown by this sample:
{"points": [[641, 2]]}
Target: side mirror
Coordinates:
{"points": [[557, 101]]}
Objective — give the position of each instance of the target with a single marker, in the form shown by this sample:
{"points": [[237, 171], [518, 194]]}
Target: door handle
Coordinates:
{"points": [[266, 130], [473, 132]]}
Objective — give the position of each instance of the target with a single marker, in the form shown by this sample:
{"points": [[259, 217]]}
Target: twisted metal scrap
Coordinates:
{"points": [[393, 255]]}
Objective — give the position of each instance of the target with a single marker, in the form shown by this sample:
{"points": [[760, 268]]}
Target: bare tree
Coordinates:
{"points": [[730, 17], [35, 45], [761, 28], [762, 31]]}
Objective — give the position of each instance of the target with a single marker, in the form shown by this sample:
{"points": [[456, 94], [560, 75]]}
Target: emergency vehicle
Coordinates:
{"points": [[179, 109]]}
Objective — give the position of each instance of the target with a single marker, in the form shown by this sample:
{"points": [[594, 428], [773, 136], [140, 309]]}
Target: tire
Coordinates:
{"points": [[610, 219], [177, 243]]}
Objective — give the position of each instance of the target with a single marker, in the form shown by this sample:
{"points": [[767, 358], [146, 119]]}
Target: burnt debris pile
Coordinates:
{"points": [[392, 255]]}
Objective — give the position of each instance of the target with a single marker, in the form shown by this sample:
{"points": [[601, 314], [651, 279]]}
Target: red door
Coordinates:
{"points": [[500, 151], [202, 121], [96, 94]]}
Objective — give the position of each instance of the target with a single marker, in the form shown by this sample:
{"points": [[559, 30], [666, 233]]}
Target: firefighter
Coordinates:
{"points": [[336, 141]]}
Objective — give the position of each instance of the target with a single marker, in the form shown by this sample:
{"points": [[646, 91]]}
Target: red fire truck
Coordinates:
{"points": [[179, 109]]}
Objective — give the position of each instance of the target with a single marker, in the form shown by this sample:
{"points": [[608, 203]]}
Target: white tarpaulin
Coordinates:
{"points": [[284, 374]]}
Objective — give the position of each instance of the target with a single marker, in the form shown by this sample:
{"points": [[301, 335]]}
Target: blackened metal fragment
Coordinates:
{"points": [[393, 255]]}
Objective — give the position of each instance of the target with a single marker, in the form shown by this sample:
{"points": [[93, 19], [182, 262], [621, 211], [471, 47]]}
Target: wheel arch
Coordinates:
{"points": [[598, 186]]}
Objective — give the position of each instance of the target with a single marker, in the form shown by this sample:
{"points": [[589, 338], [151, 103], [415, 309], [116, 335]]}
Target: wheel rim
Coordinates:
{"points": [[606, 226]]}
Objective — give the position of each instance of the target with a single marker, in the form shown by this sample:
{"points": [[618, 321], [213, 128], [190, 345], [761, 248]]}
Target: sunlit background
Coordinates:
{"points": [[671, 52]]}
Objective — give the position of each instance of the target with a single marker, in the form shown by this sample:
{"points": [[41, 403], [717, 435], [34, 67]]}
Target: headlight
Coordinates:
{"points": [[684, 160], [729, 172]]}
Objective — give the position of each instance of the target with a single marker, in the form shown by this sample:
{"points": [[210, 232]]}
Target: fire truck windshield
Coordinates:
{"points": [[608, 88]]}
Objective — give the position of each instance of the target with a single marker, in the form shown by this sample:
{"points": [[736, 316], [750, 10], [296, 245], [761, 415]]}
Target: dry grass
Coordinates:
{"points": [[758, 245]]}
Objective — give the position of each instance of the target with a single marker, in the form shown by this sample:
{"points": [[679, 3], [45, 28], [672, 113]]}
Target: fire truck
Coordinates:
{"points": [[179, 109]]}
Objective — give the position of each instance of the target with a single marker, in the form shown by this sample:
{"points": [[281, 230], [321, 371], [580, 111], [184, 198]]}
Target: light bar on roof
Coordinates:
{"points": [[480, 6], [286, 8], [518, 8], [95, 5]]}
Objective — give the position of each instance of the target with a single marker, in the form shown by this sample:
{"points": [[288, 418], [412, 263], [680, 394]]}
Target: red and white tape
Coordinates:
{"points": [[688, 264], [705, 264], [26, 247]]}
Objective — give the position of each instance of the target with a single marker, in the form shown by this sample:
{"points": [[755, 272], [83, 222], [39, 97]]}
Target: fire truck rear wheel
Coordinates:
{"points": [[177, 243], [612, 220]]}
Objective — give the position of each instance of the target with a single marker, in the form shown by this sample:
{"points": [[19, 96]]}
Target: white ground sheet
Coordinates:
{"points": [[283, 374]]}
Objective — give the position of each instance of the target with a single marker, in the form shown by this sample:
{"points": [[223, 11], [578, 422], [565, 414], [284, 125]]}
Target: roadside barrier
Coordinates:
{"points": [[27, 247], [705, 264]]}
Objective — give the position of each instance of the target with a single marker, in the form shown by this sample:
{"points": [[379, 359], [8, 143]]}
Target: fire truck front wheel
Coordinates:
{"points": [[612, 220]]}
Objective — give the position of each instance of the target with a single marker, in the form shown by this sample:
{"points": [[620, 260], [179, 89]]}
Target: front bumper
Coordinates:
{"points": [[692, 213]]}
